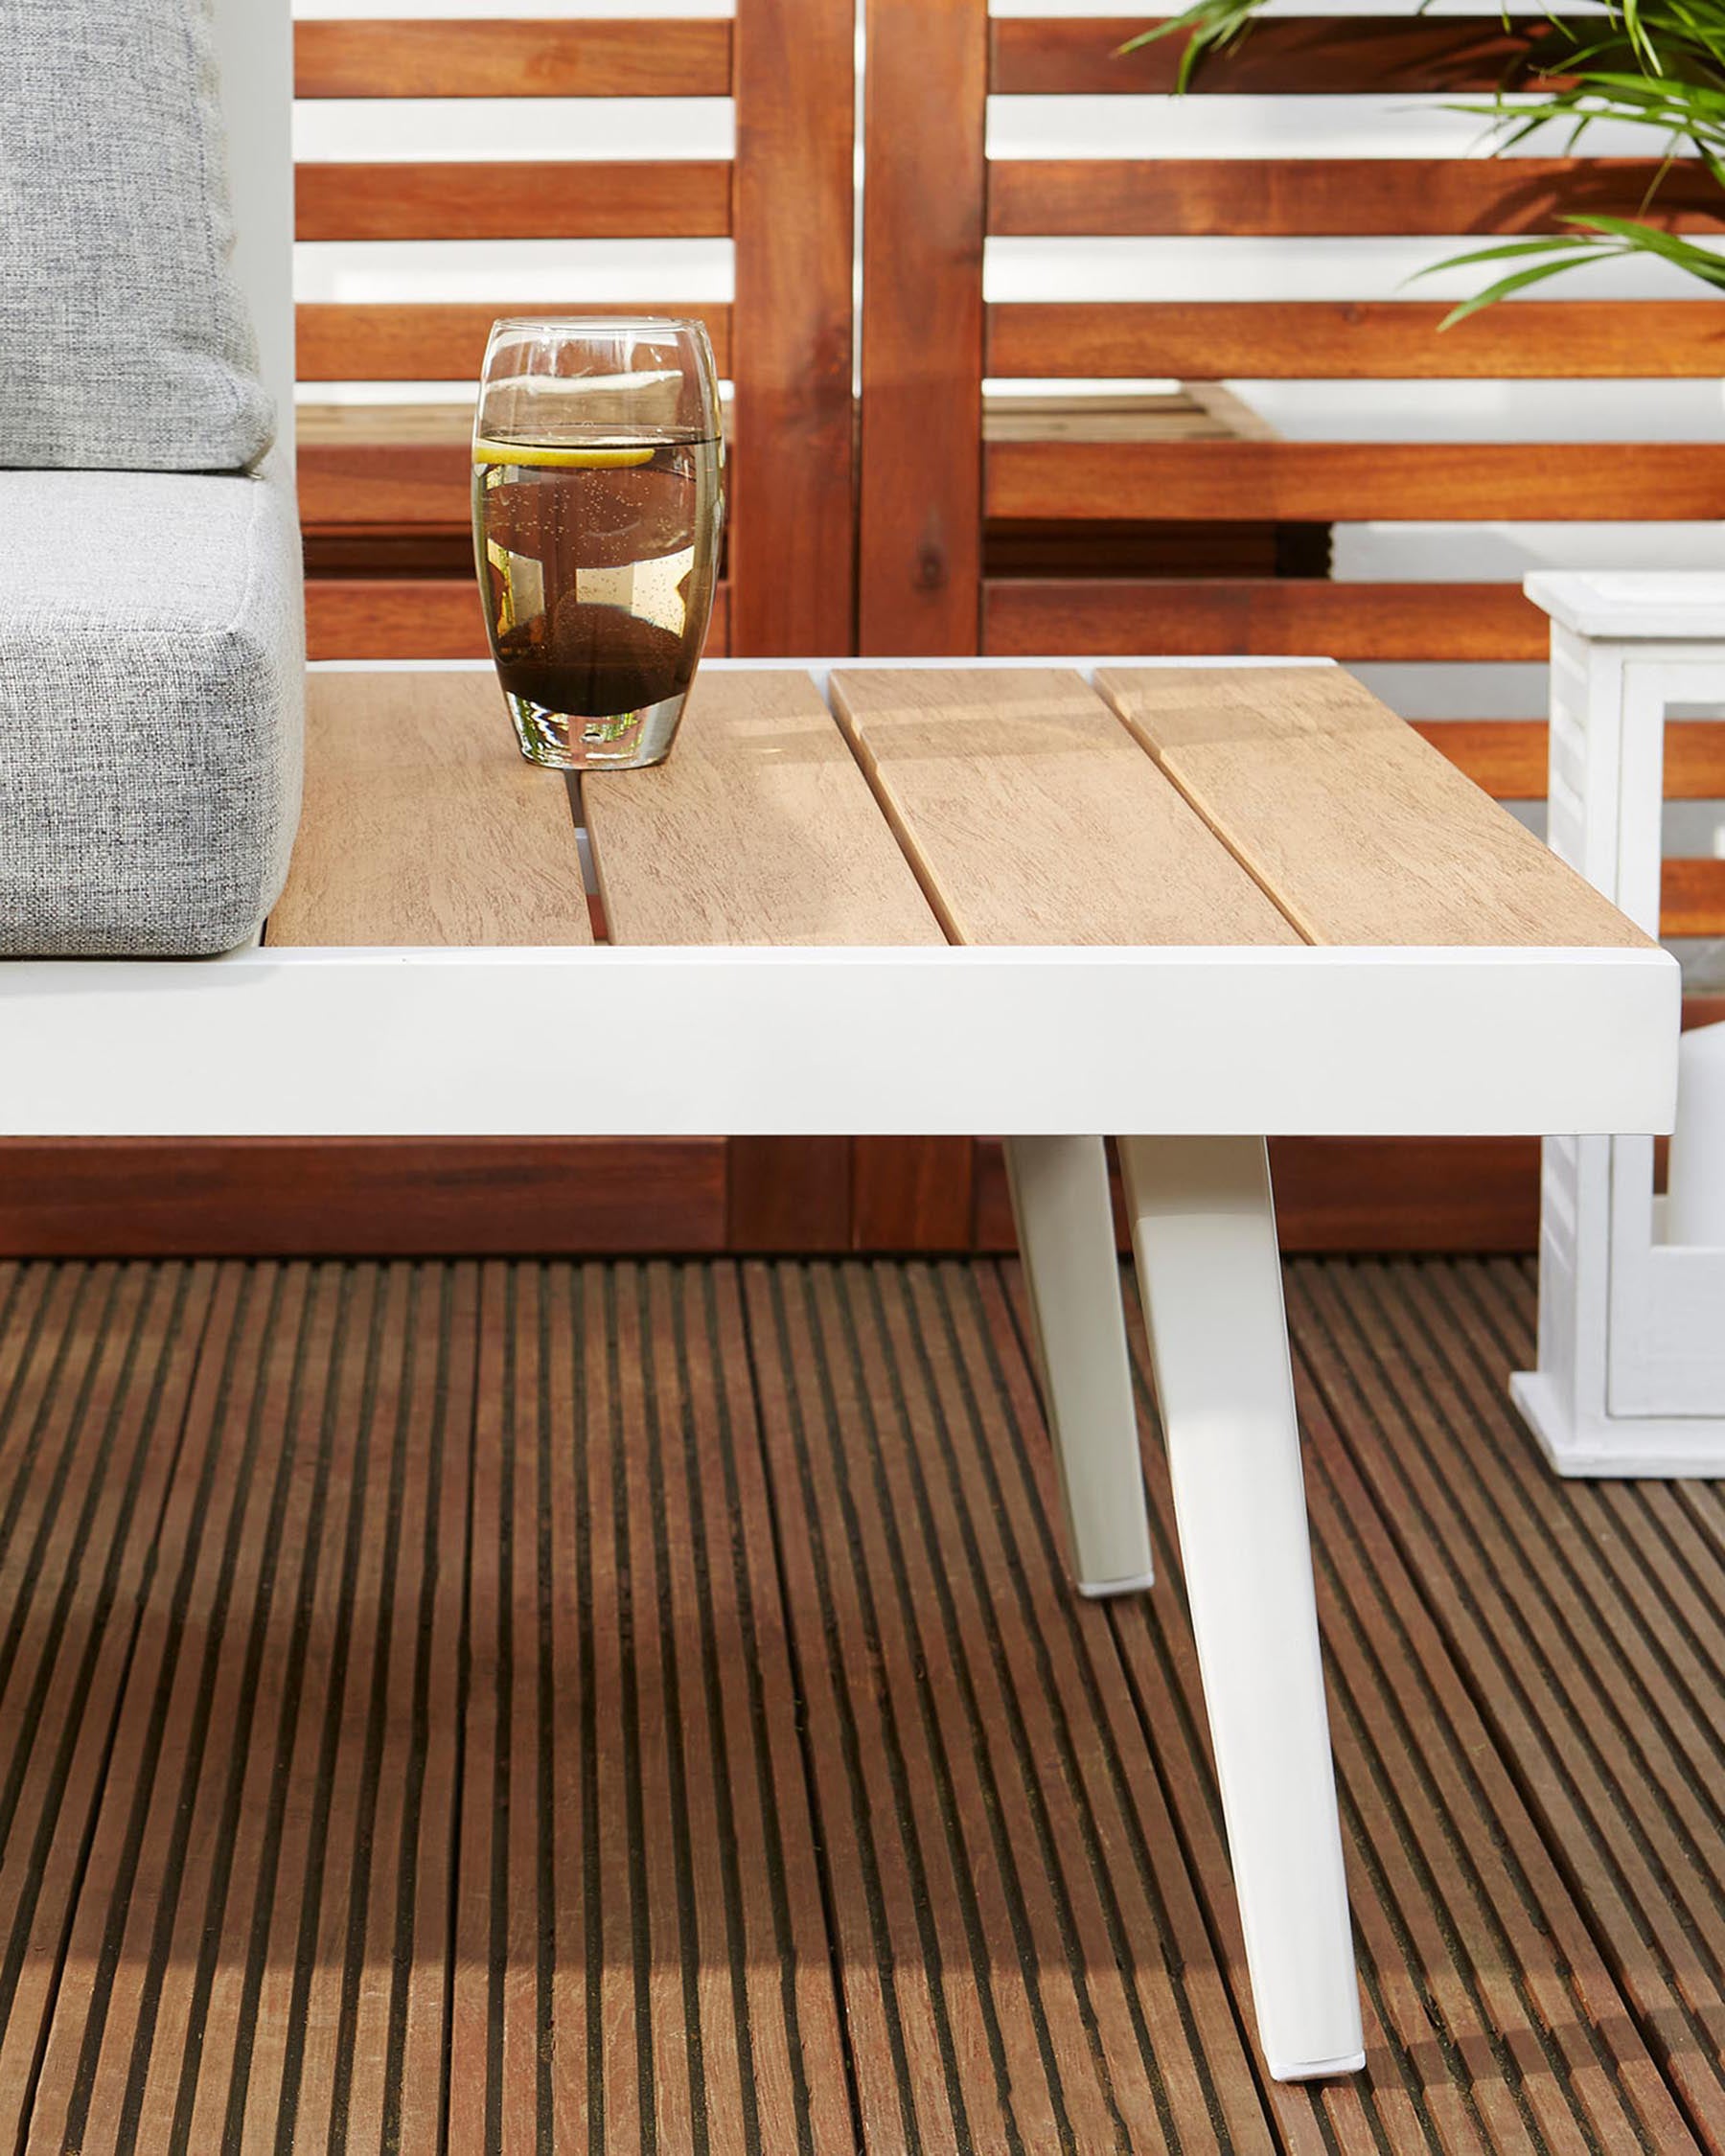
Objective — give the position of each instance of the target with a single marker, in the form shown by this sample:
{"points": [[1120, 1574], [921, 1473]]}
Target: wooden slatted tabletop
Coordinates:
{"points": [[1168, 806], [886, 899]]}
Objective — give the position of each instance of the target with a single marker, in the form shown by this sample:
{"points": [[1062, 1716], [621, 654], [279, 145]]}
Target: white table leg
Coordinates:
{"points": [[1066, 1236], [1210, 1275]]}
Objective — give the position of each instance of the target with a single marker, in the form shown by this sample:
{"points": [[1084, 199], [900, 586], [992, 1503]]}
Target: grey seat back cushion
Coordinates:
{"points": [[125, 343]]}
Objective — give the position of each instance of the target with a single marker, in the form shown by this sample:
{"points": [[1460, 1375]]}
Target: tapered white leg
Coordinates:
{"points": [[1204, 1227], [1067, 1238]]}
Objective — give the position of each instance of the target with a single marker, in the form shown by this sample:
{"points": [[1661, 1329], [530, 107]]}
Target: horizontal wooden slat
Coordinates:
{"points": [[1507, 756], [385, 485], [422, 617], [282, 1197], [394, 617], [1691, 898], [1281, 58], [1031, 817], [447, 343], [543, 57], [1406, 1194], [568, 199], [386, 465], [1207, 413], [413, 424], [1358, 831], [407, 464], [328, 1196], [1694, 760], [263, 1198], [1268, 617], [422, 824], [1360, 481], [1339, 198], [758, 830], [1390, 340], [1352, 1194]]}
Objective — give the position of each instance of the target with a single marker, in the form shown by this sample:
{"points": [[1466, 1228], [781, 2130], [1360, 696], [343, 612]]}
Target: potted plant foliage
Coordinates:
{"points": [[1655, 63]]}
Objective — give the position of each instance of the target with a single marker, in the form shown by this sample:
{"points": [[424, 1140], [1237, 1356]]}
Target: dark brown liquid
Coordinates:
{"points": [[598, 578], [595, 661]]}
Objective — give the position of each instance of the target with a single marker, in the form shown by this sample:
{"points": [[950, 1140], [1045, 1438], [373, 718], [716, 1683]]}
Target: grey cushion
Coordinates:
{"points": [[124, 341], [151, 690]]}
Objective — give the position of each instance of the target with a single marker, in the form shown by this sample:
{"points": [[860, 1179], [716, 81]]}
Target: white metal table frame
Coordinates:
{"points": [[1190, 1055]]}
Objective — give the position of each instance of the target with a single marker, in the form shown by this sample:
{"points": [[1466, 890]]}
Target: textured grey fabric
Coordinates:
{"points": [[151, 694], [124, 344]]}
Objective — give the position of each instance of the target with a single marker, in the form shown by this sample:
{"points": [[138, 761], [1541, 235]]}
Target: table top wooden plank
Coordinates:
{"points": [[1033, 817], [1173, 706], [423, 825], [759, 830], [1362, 831]]}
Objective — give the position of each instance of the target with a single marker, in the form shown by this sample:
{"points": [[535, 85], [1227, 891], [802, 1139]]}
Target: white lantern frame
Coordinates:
{"points": [[1631, 1375]]}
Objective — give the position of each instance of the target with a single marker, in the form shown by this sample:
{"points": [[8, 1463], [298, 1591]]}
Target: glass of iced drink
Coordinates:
{"points": [[598, 506]]}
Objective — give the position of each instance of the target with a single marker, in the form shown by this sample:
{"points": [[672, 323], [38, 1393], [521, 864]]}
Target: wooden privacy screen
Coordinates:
{"points": [[384, 489], [932, 484], [927, 481]]}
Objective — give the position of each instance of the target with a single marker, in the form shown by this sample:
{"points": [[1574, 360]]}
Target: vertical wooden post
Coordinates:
{"points": [[793, 530], [920, 495], [927, 92]]}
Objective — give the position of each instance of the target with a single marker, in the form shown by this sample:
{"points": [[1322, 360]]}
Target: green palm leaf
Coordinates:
{"points": [[1653, 63]]}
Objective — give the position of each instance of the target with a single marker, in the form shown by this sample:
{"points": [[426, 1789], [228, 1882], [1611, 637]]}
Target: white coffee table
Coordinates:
{"points": [[1186, 906]]}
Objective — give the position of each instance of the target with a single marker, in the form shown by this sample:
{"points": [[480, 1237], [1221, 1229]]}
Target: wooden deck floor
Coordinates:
{"points": [[540, 1709]]}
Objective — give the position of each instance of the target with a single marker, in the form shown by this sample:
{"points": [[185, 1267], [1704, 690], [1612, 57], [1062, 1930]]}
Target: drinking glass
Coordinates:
{"points": [[598, 504]]}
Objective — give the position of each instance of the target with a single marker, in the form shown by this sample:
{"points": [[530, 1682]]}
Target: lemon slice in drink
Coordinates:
{"points": [[562, 456]]}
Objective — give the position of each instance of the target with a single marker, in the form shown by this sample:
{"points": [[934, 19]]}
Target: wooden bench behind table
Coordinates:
{"points": [[384, 486]]}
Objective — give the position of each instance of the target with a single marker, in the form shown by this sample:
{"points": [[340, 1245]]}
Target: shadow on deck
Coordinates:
{"points": [[384, 1770]]}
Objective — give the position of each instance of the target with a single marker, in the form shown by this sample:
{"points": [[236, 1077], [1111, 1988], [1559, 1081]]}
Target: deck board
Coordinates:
{"points": [[1573, 1683], [620, 1707]]}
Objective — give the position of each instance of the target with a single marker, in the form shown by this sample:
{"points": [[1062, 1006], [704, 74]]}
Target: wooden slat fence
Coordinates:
{"points": [[396, 503]]}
